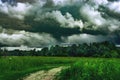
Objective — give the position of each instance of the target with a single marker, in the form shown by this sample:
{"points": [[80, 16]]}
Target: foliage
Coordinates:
{"points": [[103, 49], [92, 69]]}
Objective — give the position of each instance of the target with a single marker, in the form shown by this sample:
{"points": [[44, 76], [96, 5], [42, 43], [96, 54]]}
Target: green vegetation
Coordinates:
{"points": [[13, 68], [103, 49], [92, 69]]}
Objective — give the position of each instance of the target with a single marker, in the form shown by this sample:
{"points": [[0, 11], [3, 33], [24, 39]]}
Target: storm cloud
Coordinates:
{"points": [[17, 38], [46, 22]]}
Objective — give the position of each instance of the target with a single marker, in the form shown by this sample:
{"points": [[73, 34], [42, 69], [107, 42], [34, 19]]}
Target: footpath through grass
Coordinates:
{"points": [[13, 68], [92, 69]]}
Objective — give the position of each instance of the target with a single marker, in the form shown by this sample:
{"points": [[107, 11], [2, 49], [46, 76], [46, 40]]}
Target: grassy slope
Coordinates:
{"points": [[13, 68], [92, 69]]}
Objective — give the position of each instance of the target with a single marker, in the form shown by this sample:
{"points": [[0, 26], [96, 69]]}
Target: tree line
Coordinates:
{"points": [[103, 49]]}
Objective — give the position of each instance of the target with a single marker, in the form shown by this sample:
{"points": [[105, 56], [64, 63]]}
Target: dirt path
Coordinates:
{"points": [[44, 75]]}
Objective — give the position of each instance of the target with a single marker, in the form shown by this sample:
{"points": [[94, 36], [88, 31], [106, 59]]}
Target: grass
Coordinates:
{"points": [[92, 69], [13, 68]]}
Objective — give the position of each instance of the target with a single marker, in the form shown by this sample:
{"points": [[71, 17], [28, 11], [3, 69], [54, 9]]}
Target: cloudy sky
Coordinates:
{"points": [[38, 23]]}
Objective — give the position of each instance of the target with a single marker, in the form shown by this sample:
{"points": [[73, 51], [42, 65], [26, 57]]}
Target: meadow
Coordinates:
{"points": [[92, 69], [15, 68]]}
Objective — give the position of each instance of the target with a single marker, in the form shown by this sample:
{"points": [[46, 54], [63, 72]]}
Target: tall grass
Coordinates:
{"points": [[12, 68], [92, 69]]}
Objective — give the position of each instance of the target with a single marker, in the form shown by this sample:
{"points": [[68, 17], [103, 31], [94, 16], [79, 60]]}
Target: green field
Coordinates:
{"points": [[92, 69], [13, 68]]}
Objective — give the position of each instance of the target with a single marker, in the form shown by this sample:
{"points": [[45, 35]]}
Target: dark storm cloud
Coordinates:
{"points": [[72, 21], [16, 38]]}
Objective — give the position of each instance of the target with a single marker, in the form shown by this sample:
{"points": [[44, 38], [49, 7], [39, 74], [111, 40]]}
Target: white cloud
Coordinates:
{"points": [[65, 20], [18, 11], [100, 2], [18, 38], [84, 38], [44, 9], [114, 6], [92, 15]]}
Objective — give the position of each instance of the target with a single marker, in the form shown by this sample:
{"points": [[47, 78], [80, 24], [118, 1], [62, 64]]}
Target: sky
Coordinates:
{"points": [[38, 23]]}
